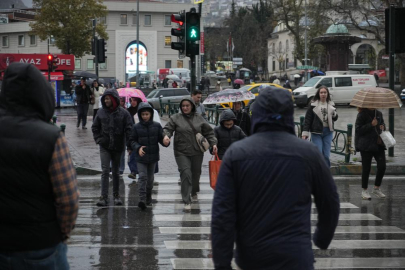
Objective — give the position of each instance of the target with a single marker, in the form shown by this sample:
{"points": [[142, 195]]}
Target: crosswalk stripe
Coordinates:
{"points": [[320, 263], [197, 217], [178, 196], [339, 230], [206, 206], [336, 244]]}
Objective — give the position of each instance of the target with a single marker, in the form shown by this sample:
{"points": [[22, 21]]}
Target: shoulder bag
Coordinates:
{"points": [[201, 140]]}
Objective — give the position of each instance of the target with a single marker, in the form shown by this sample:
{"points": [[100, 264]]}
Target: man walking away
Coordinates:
{"points": [[199, 107], [376, 78], [111, 129], [83, 95], [38, 188], [262, 199]]}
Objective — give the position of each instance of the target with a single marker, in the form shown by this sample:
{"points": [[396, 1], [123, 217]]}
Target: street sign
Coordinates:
{"points": [[307, 67], [198, 1]]}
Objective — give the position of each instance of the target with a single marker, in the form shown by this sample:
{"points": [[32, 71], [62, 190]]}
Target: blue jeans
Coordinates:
{"points": [[53, 258], [323, 142], [132, 163]]}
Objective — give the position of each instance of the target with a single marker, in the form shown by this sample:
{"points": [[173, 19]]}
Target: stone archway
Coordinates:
{"points": [[365, 54]]}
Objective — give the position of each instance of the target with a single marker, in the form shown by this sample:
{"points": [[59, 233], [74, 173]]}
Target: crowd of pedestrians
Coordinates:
{"points": [[257, 188]]}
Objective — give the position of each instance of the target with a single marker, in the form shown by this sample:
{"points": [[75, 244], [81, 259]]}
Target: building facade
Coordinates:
{"points": [[154, 36]]}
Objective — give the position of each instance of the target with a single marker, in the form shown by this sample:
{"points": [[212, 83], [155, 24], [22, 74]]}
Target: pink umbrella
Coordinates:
{"points": [[238, 81], [132, 92]]}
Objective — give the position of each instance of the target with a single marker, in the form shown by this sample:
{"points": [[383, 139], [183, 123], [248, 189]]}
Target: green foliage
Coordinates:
{"points": [[69, 21]]}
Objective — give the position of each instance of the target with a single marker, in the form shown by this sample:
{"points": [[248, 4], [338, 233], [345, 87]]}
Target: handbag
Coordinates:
{"points": [[201, 140], [388, 139], [214, 166]]}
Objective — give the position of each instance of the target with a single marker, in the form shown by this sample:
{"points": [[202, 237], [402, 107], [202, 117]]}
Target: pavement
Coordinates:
{"points": [[85, 152]]}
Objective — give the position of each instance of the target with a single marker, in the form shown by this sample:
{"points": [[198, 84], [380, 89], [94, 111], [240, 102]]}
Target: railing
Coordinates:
{"points": [[213, 114], [62, 126], [341, 142], [168, 108]]}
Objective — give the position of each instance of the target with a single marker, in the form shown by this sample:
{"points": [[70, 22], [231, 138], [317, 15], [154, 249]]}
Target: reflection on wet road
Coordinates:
{"points": [[370, 235]]}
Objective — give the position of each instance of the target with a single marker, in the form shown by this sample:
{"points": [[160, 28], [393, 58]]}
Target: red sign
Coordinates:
{"points": [[202, 47], [380, 73], [65, 61], [55, 76]]}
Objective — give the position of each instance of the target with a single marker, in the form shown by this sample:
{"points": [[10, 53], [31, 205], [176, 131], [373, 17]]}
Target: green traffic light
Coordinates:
{"points": [[193, 34]]}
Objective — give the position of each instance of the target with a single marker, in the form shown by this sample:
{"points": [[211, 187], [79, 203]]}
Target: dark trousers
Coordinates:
{"points": [[366, 158], [94, 113], [146, 178], [106, 157], [190, 172], [82, 110]]}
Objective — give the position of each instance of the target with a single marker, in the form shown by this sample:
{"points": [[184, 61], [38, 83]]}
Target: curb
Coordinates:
{"points": [[356, 170], [86, 171]]}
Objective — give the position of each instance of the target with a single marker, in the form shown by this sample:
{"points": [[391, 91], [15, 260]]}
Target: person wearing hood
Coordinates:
{"points": [[97, 91], [111, 129], [144, 141], [39, 196], [227, 132], [83, 98], [242, 117], [262, 199], [187, 152], [319, 120]]}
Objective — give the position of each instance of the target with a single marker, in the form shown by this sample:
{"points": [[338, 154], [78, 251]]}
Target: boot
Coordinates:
{"points": [[149, 198]]}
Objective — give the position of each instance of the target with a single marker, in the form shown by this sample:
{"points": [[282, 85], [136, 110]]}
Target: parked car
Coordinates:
{"points": [[403, 94], [175, 95], [342, 88]]}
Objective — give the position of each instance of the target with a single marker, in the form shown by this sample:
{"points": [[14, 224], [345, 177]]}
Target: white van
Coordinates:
{"points": [[341, 87], [183, 73]]}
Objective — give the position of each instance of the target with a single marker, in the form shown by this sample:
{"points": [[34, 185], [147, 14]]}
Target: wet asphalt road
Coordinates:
{"points": [[371, 234]]}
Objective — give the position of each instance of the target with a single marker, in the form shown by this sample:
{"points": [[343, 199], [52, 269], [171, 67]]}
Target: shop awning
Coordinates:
{"points": [[55, 76]]}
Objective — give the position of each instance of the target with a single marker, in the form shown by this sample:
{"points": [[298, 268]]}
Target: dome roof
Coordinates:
{"points": [[337, 29]]}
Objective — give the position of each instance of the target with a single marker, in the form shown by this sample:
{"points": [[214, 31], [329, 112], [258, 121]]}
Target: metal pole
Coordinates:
{"points": [[392, 71], [49, 70], [193, 78], [95, 39], [305, 60], [137, 45]]}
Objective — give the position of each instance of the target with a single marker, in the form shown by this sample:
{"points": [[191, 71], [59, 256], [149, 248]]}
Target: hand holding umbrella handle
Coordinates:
{"points": [[374, 122]]}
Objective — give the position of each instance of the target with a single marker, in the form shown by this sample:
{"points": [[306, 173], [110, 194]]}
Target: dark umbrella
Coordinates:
{"points": [[84, 74]]}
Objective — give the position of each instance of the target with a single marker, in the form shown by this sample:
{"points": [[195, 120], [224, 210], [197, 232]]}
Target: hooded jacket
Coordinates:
{"points": [[366, 136], [112, 128], [27, 142], [262, 199], [227, 136], [243, 121], [313, 118], [185, 143], [147, 134]]}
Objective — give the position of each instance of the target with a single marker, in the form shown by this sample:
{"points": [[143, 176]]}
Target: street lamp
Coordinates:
{"points": [[306, 57]]}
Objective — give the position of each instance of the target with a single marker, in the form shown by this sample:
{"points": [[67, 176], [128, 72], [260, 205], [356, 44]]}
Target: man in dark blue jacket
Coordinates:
{"points": [[263, 195]]}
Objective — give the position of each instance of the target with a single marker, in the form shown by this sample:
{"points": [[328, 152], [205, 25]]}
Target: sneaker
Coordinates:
{"points": [[110, 175], [365, 195], [194, 198], [103, 202], [187, 206], [155, 183], [132, 176], [117, 200], [84, 128], [377, 192], [142, 205]]}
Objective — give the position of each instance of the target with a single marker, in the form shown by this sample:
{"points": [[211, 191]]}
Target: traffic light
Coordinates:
{"points": [[179, 32], [192, 25], [54, 63], [101, 50]]}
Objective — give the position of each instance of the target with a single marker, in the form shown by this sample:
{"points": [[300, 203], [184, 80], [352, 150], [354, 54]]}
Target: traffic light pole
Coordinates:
{"points": [[95, 47], [193, 77], [392, 71]]}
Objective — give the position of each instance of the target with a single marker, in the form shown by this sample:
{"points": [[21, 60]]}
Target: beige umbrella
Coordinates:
{"points": [[376, 97]]}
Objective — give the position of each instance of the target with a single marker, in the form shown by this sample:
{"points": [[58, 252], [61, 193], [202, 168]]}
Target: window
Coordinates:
{"points": [[168, 20], [90, 64], [103, 66], [326, 81], [287, 46], [274, 65], [181, 92], [168, 41], [343, 81], [33, 40], [274, 48], [167, 93], [78, 63], [21, 40], [179, 63], [124, 19], [134, 19], [52, 40], [280, 47], [4, 41], [103, 20], [168, 63], [148, 20], [255, 90]]}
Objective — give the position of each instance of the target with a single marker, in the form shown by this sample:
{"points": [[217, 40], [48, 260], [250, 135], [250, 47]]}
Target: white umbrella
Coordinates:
{"points": [[173, 77], [297, 76]]}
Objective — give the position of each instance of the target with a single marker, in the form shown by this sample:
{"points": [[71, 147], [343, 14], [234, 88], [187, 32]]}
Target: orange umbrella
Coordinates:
{"points": [[376, 97]]}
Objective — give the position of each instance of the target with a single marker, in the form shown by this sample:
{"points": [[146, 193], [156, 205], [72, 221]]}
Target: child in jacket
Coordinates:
{"points": [[144, 140]]}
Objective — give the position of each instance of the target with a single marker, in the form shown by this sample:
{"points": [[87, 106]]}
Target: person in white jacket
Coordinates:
{"points": [[97, 90]]}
